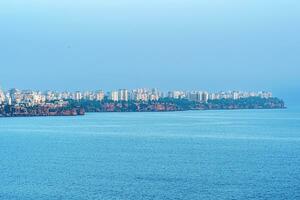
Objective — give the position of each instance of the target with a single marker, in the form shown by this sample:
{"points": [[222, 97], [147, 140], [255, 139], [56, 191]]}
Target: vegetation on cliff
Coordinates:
{"points": [[39, 110], [73, 108], [168, 104]]}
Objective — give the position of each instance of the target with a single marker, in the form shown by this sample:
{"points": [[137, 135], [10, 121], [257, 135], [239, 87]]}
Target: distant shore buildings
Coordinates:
{"points": [[31, 97]]}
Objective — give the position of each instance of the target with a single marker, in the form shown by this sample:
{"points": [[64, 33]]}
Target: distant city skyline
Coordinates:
{"points": [[15, 102], [95, 88], [215, 45], [32, 97], [283, 95]]}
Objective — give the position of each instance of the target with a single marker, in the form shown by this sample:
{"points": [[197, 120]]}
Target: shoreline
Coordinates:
{"points": [[158, 111], [78, 108]]}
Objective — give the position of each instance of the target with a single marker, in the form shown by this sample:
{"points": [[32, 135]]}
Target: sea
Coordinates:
{"points": [[220, 154]]}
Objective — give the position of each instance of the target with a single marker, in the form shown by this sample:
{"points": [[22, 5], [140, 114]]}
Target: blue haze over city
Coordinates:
{"points": [[127, 144], [192, 44]]}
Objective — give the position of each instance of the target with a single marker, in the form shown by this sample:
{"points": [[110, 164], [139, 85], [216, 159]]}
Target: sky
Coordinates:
{"points": [[169, 44]]}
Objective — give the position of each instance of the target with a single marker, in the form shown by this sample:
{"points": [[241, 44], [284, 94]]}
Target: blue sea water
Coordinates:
{"points": [[241, 154]]}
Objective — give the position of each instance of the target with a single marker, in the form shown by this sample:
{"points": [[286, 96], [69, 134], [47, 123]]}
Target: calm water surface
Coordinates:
{"points": [[245, 154]]}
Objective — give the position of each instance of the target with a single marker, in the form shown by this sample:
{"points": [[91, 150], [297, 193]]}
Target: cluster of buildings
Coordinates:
{"points": [[30, 97]]}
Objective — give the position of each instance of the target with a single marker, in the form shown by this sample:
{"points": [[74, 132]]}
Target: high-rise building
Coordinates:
{"points": [[123, 95], [15, 96], [88, 95], [204, 97], [100, 95], [140, 94], [176, 94], [65, 95], [114, 96], [192, 96], [199, 96], [8, 100], [235, 95], [2, 97], [51, 95], [265, 94], [154, 95], [77, 96]]}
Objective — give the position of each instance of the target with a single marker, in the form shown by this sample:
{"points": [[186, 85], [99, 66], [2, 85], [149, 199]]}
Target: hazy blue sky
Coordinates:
{"points": [[187, 44]]}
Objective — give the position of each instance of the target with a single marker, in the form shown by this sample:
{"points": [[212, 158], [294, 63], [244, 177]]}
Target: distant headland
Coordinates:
{"points": [[23, 103]]}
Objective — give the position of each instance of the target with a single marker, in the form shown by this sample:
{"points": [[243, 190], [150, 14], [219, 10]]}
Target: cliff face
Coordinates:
{"points": [[74, 108], [131, 106], [42, 110], [247, 103], [178, 105]]}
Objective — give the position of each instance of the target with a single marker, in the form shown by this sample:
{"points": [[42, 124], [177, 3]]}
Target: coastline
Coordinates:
{"points": [[79, 108]]}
